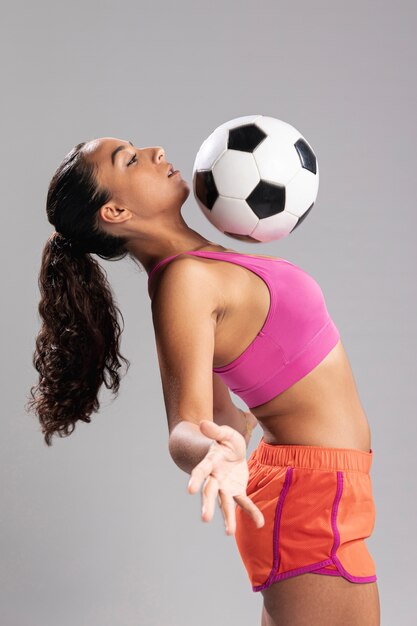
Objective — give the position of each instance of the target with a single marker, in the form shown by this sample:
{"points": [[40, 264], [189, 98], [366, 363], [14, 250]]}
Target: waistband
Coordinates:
{"points": [[313, 457]]}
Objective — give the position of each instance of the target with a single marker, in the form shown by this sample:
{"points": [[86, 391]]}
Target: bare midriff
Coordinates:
{"points": [[321, 409]]}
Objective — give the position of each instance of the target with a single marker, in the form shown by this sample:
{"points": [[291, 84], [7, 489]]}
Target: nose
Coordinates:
{"points": [[160, 152]]}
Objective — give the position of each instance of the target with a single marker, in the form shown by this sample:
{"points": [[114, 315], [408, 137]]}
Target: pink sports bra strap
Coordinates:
{"points": [[160, 263], [246, 259]]}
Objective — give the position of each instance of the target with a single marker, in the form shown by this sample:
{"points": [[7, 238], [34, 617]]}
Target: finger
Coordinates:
{"points": [[199, 473], [251, 509], [228, 512], [209, 492], [214, 431]]}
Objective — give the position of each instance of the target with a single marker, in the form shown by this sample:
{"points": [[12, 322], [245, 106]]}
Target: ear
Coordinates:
{"points": [[114, 214]]}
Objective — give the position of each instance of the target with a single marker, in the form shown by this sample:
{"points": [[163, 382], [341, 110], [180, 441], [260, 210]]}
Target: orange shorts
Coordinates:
{"points": [[318, 508]]}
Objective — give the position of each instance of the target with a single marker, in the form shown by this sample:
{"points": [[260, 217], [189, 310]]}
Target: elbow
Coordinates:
{"points": [[178, 445], [187, 445]]}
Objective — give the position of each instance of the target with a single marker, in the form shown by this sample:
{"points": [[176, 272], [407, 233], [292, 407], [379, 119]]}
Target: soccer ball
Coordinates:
{"points": [[255, 178]]}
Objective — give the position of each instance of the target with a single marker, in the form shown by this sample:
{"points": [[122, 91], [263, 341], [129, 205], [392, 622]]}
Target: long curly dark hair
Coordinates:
{"points": [[77, 348]]}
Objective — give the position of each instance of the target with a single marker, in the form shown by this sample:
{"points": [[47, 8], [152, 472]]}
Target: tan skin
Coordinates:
{"points": [[322, 409]]}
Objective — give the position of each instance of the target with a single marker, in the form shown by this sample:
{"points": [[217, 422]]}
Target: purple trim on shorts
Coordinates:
{"points": [[278, 512], [314, 568], [328, 572], [343, 572], [293, 572]]}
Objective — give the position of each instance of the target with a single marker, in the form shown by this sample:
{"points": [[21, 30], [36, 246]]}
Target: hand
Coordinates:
{"points": [[226, 471], [251, 422]]}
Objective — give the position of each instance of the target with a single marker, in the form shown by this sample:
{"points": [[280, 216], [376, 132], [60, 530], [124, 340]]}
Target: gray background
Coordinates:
{"points": [[99, 529]]}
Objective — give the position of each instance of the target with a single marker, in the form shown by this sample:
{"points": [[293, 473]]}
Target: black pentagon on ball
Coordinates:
{"points": [[205, 188], [307, 156], [302, 217], [267, 199], [245, 138]]}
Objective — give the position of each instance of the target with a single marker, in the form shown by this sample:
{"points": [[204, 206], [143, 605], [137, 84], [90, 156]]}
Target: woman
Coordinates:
{"points": [[304, 498]]}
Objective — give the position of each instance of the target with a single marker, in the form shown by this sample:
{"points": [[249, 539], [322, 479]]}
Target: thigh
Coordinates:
{"points": [[320, 600]]}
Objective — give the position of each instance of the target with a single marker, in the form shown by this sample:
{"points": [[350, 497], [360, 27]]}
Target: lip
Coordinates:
{"points": [[171, 167]]}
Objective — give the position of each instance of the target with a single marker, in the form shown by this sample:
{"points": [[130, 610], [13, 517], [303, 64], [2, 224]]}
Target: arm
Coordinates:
{"points": [[184, 312], [226, 412]]}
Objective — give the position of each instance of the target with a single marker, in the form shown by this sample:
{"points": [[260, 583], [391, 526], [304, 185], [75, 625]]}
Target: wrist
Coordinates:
{"points": [[249, 426]]}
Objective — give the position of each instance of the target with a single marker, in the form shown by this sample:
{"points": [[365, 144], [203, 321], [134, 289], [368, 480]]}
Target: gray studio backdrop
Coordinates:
{"points": [[99, 530]]}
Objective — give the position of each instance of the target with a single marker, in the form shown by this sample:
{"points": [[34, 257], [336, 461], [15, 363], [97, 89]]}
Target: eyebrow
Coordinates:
{"points": [[116, 150]]}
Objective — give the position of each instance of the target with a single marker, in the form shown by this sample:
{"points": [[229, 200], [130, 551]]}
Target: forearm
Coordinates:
{"points": [[226, 412], [233, 417]]}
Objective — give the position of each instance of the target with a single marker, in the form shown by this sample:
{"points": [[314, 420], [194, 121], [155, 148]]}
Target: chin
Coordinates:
{"points": [[187, 190]]}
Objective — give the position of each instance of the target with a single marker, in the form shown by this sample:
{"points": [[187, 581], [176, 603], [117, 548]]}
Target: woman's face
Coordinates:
{"points": [[137, 179]]}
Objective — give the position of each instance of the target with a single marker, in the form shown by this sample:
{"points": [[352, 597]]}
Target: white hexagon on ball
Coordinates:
{"points": [[235, 174]]}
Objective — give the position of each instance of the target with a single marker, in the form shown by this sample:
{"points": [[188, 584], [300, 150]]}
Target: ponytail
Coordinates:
{"points": [[77, 347]]}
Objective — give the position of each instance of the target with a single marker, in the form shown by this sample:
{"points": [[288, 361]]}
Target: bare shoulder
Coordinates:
{"points": [[186, 281]]}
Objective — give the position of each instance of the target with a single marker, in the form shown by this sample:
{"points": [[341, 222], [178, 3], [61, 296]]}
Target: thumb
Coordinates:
{"points": [[209, 428], [214, 431]]}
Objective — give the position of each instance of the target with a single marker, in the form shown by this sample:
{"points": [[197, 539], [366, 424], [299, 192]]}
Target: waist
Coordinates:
{"points": [[313, 457], [323, 409]]}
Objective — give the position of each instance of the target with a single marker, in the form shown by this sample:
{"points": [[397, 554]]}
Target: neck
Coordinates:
{"points": [[149, 255]]}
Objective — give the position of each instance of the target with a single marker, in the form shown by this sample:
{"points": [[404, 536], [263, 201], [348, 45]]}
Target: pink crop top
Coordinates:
{"points": [[296, 336]]}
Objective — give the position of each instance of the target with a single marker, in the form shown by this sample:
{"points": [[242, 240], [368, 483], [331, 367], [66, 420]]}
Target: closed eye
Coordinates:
{"points": [[132, 160]]}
